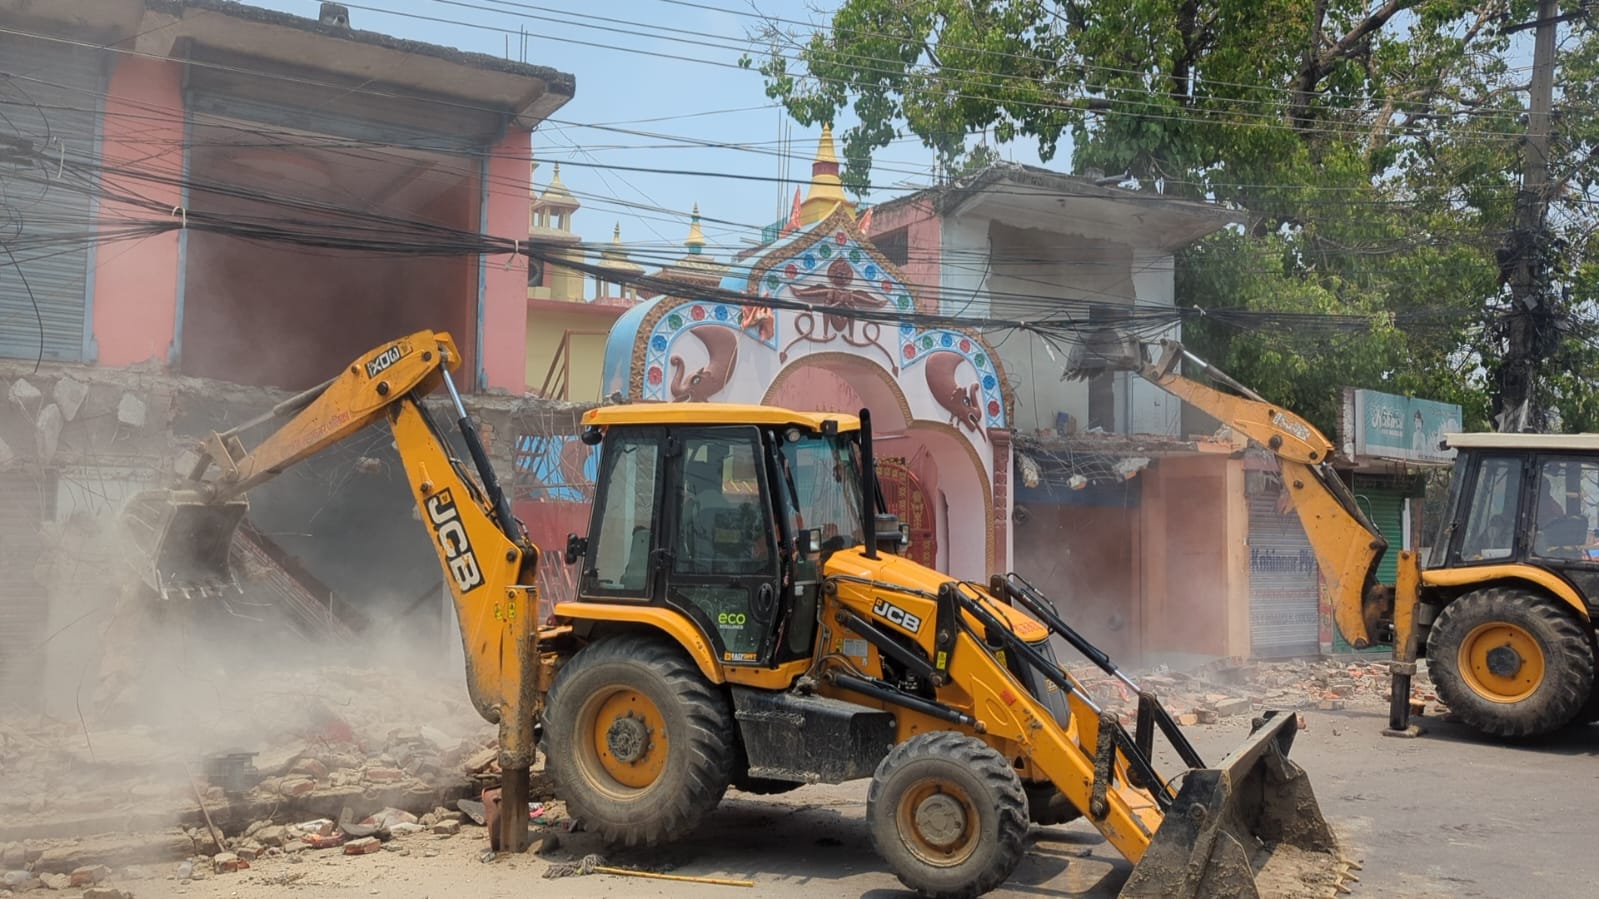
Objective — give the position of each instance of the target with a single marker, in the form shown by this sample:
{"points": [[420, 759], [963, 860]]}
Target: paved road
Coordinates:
{"points": [[1449, 815]]}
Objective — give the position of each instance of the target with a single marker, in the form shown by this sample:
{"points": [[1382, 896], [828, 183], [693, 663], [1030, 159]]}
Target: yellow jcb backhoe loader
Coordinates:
{"points": [[1504, 610], [742, 619]]}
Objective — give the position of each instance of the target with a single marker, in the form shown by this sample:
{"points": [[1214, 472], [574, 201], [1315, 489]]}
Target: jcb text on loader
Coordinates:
{"points": [[742, 619]]}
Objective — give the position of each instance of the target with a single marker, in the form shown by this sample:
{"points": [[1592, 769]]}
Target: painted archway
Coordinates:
{"points": [[947, 465], [938, 395]]}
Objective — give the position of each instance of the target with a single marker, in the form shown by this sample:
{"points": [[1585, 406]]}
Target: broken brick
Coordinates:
{"points": [[89, 875], [363, 846], [311, 767], [1206, 716], [325, 841], [1188, 719], [384, 775], [1330, 705], [296, 786], [1232, 706], [228, 862], [447, 828]]}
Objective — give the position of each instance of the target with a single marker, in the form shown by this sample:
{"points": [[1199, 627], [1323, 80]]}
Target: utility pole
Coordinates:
{"points": [[1531, 319]]}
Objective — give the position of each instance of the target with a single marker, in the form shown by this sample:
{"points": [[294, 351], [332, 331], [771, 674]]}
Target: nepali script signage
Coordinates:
{"points": [[1402, 428]]}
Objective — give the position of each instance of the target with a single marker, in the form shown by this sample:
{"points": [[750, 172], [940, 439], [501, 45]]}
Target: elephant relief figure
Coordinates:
{"points": [[721, 350], [964, 404]]}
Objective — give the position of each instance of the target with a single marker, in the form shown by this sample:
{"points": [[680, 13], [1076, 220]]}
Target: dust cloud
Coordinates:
{"points": [[124, 711]]}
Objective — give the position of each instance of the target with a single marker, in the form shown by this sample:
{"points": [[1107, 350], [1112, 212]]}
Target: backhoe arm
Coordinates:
{"points": [[488, 564], [1347, 545]]}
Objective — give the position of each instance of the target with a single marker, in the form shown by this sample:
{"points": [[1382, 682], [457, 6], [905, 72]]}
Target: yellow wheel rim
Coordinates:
{"points": [[1502, 662], [938, 822], [624, 745]]}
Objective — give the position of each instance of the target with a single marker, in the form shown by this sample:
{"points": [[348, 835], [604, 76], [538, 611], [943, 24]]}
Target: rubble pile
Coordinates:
{"points": [[1230, 688], [377, 751]]}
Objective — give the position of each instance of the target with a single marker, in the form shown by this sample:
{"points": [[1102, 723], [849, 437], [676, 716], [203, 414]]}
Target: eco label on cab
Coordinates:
{"points": [[380, 363], [459, 558]]}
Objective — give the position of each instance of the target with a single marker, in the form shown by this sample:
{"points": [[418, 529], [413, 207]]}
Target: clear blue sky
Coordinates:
{"points": [[690, 88]]}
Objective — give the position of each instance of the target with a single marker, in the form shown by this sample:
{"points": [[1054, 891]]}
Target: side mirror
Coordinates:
{"points": [[576, 548], [809, 542], [892, 535]]}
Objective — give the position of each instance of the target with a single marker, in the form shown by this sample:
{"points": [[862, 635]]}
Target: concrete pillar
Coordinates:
{"points": [[136, 284], [502, 353]]}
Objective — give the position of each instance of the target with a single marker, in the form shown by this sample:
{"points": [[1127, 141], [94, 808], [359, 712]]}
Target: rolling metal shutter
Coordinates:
{"points": [[1283, 615], [52, 96]]}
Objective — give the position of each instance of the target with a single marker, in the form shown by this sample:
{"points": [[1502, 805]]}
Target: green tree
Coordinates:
{"points": [[1374, 147]]}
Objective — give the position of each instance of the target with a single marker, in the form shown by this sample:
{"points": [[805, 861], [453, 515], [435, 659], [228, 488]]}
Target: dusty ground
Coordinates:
{"points": [[1449, 815]]}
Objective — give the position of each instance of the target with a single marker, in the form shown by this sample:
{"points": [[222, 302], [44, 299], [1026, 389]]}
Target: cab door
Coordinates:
{"points": [[722, 568]]}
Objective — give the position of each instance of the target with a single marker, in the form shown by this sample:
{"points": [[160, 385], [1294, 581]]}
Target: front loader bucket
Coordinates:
{"points": [[1248, 829], [181, 544]]}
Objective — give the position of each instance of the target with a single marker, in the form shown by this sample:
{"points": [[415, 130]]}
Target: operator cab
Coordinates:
{"points": [[724, 515], [1524, 498]]}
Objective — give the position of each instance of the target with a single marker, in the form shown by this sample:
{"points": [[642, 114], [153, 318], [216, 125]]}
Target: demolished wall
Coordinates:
{"points": [[76, 441], [105, 696]]}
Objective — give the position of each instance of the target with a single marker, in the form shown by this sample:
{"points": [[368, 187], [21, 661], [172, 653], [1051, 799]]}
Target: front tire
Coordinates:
{"points": [[948, 814], [638, 743], [1511, 662]]}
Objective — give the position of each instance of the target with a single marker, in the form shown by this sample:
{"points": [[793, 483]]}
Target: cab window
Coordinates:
{"points": [[1490, 519], [623, 531], [1565, 513]]}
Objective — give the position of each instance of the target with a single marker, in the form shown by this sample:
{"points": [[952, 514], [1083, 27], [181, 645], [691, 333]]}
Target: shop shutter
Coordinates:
{"points": [[52, 94], [1283, 614]]}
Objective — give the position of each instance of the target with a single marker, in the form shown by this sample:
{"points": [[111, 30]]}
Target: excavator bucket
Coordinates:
{"points": [[181, 544], [1101, 352], [1247, 829]]}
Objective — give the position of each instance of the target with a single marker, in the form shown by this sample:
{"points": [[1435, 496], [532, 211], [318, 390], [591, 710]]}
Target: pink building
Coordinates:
{"points": [[211, 107], [118, 344]]}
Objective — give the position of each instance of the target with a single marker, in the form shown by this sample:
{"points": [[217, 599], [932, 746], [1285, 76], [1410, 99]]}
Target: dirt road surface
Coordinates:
{"points": [[1448, 815]]}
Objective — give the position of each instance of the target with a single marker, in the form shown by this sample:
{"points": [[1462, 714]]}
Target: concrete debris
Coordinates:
{"points": [[1028, 470], [24, 394], [1232, 688], [447, 828], [131, 411], [47, 432], [69, 394], [387, 747], [1128, 467], [7, 457]]}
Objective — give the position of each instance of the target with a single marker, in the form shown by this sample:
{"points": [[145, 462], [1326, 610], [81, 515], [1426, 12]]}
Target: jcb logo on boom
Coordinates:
{"points": [[381, 362], [895, 615], [451, 534]]}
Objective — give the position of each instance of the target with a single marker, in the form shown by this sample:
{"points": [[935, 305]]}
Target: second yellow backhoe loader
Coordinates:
{"points": [[743, 619], [1504, 609]]}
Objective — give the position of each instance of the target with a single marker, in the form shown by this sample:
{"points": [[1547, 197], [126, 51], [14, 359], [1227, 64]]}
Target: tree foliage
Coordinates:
{"points": [[1375, 145]]}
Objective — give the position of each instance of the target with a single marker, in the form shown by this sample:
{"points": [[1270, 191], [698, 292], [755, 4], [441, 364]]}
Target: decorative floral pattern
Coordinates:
{"points": [[810, 258]]}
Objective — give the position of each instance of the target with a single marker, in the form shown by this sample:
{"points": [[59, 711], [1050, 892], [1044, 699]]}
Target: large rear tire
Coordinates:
{"points": [[948, 814], [638, 743], [1511, 662]]}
